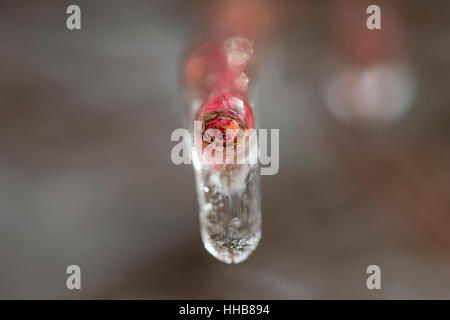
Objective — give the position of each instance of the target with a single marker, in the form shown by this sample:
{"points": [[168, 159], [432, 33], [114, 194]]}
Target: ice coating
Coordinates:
{"points": [[228, 193]]}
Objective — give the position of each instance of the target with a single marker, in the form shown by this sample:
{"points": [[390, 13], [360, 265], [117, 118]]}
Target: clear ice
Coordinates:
{"points": [[230, 210]]}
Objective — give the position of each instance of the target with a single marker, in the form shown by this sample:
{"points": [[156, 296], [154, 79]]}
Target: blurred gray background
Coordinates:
{"points": [[86, 176]]}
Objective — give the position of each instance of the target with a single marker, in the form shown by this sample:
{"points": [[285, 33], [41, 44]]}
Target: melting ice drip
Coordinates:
{"points": [[230, 216], [229, 194]]}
